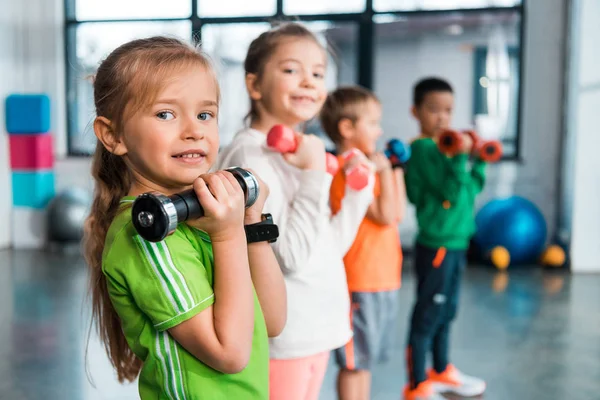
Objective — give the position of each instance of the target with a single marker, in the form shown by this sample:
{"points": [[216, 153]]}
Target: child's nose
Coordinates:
{"points": [[308, 80], [193, 130]]}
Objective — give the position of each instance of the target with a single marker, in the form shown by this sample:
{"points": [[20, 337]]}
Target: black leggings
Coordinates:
{"points": [[438, 282]]}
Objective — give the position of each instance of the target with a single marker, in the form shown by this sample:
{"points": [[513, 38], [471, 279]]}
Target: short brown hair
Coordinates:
{"points": [[343, 103]]}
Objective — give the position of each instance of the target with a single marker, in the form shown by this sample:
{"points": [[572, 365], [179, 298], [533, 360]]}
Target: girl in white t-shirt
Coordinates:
{"points": [[285, 71]]}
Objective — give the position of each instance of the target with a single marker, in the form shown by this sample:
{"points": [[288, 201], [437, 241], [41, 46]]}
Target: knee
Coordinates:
{"points": [[452, 311], [424, 325]]}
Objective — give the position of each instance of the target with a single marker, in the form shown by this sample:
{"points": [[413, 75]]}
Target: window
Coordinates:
{"points": [[93, 42], [385, 48], [131, 9], [467, 50], [304, 7], [236, 8], [433, 5]]}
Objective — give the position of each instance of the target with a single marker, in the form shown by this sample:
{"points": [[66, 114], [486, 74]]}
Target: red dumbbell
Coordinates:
{"points": [[357, 177], [283, 140], [451, 142], [488, 150]]}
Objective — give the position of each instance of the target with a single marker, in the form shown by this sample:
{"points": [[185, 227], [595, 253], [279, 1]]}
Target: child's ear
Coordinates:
{"points": [[106, 134], [346, 128], [252, 86], [413, 111]]}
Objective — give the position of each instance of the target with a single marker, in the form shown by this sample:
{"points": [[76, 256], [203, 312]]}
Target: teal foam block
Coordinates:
{"points": [[32, 189], [27, 113]]}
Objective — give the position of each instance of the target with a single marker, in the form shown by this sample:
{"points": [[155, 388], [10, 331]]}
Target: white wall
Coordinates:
{"points": [[31, 60], [582, 124]]}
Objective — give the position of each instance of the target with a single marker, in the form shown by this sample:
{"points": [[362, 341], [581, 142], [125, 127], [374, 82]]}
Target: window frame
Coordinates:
{"points": [[365, 51]]}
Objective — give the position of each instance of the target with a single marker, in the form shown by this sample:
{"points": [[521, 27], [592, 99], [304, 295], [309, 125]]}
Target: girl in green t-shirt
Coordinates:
{"points": [[189, 315]]}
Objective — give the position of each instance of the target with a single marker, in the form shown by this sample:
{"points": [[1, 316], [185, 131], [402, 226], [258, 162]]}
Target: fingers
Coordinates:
{"points": [[229, 182], [216, 186], [204, 195]]}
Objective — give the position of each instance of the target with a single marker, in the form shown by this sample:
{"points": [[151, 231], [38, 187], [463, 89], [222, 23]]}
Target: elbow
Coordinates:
{"points": [[388, 218], [235, 362], [275, 327], [400, 217]]}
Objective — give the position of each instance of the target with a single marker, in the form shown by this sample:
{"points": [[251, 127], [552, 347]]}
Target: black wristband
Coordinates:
{"points": [[264, 231]]}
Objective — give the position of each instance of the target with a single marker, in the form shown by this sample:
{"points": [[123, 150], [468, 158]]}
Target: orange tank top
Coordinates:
{"points": [[374, 262]]}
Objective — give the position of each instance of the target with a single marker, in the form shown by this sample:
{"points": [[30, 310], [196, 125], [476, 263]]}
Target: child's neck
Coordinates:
{"points": [[427, 135], [266, 122], [344, 147]]}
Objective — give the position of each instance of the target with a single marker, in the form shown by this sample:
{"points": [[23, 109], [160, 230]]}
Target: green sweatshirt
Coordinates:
{"points": [[443, 191]]}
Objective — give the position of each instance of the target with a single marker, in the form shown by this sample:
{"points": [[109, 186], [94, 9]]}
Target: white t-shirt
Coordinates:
{"points": [[310, 247]]}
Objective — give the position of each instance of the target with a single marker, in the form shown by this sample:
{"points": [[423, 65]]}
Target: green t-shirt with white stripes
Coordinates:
{"points": [[156, 286]]}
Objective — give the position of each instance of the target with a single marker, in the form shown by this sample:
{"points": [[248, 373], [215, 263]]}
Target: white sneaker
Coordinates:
{"points": [[454, 381]]}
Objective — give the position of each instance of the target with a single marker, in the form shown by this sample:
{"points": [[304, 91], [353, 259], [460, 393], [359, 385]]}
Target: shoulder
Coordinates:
{"points": [[127, 254], [246, 146], [423, 144]]}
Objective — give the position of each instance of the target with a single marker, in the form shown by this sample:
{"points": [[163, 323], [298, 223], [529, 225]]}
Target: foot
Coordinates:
{"points": [[454, 381], [423, 391]]}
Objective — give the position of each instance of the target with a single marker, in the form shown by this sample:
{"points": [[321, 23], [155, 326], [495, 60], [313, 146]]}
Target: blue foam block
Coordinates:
{"points": [[32, 189], [27, 113]]}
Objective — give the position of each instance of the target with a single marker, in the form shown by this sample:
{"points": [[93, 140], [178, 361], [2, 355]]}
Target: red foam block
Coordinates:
{"points": [[31, 152]]}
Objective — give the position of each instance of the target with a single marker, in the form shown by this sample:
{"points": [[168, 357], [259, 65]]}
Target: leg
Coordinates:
{"points": [[432, 282], [441, 340], [289, 379], [317, 374], [388, 328], [356, 357], [354, 384]]}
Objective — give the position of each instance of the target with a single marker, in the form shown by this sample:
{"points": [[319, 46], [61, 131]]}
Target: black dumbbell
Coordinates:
{"points": [[156, 216]]}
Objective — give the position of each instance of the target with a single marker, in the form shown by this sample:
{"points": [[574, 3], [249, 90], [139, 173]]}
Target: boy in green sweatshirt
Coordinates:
{"points": [[443, 190]]}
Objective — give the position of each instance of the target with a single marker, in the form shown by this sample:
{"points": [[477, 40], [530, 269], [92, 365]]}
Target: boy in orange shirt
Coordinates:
{"points": [[351, 118]]}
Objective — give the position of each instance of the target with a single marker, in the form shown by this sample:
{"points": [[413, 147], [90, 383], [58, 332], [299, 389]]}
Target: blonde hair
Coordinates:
{"points": [[128, 80], [263, 47], [343, 103]]}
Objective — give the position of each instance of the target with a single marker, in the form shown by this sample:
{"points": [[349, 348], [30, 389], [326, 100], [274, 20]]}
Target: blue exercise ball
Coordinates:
{"points": [[514, 223]]}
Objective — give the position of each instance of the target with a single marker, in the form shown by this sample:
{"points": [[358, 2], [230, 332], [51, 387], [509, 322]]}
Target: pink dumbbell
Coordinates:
{"points": [[283, 140], [357, 177]]}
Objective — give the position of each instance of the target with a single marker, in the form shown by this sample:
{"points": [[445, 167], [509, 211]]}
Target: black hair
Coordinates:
{"points": [[428, 85]]}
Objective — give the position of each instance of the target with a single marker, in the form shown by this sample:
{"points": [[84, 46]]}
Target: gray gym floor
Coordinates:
{"points": [[532, 334]]}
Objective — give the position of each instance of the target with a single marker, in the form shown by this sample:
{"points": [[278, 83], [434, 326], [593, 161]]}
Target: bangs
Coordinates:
{"points": [[150, 73]]}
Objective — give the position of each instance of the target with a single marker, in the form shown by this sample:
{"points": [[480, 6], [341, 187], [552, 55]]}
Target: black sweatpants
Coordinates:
{"points": [[438, 281]]}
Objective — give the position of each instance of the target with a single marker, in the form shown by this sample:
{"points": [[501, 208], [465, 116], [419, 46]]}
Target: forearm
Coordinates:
{"points": [[400, 194], [234, 305], [383, 210], [478, 175], [269, 285], [302, 220]]}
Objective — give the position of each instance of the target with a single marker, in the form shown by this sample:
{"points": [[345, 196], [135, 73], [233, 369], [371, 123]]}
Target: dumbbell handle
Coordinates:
{"points": [[155, 216]]}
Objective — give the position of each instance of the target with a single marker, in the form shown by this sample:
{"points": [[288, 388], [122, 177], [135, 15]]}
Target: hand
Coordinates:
{"points": [[358, 158], [254, 213], [466, 144], [310, 153], [222, 198], [381, 162]]}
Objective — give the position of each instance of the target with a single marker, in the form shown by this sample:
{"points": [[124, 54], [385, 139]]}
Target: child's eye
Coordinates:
{"points": [[165, 115], [205, 116], [289, 70], [319, 75]]}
